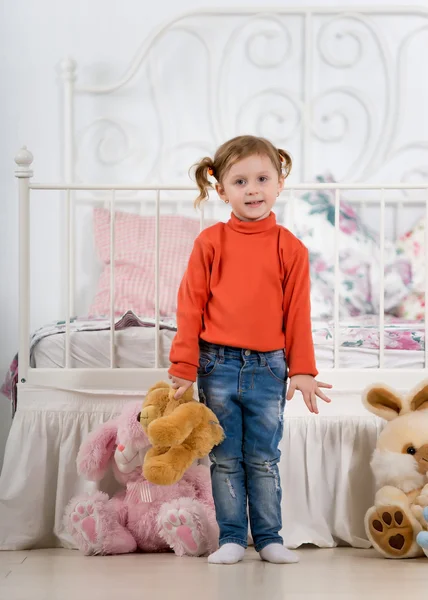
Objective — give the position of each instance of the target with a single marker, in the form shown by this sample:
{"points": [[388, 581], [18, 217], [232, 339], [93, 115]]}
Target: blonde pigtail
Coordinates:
{"points": [[286, 162], [203, 169]]}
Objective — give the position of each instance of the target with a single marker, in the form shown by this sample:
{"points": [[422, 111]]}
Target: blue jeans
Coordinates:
{"points": [[246, 391]]}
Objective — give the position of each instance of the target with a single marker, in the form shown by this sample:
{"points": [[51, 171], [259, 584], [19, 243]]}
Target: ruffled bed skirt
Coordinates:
{"points": [[326, 478]]}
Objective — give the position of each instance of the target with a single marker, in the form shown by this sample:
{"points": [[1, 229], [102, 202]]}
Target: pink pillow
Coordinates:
{"points": [[134, 264]]}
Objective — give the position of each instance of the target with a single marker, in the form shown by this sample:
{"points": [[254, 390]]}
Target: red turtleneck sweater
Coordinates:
{"points": [[247, 285]]}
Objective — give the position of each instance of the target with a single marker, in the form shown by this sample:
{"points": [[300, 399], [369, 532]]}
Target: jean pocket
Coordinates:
{"points": [[207, 364], [277, 367]]}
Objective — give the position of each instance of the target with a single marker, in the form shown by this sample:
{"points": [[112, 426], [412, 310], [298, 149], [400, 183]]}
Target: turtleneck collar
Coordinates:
{"points": [[249, 227]]}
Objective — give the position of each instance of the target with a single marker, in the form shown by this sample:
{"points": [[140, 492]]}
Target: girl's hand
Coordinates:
{"points": [[310, 389], [181, 385]]}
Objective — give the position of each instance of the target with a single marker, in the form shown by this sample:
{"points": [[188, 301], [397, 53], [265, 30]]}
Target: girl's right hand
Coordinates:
{"points": [[181, 385]]}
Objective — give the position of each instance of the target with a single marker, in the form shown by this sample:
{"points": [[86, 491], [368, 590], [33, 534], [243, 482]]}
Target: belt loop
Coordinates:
{"points": [[263, 361]]}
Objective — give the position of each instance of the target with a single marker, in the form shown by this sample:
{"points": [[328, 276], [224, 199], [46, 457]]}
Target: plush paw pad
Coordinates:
{"points": [[392, 530], [84, 526], [180, 524]]}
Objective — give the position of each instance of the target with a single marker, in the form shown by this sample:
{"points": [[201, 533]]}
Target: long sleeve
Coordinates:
{"points": [[299, 346], [191, 302]]}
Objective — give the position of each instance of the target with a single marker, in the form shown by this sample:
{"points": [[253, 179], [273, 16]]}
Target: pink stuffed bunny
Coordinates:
{"points": [[151, 518]]}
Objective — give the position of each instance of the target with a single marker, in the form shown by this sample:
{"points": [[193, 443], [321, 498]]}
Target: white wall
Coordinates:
{"points": [[34, 37]]}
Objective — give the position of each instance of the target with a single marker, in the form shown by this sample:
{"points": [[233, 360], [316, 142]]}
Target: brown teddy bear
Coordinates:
{"points": [[180, 431]]}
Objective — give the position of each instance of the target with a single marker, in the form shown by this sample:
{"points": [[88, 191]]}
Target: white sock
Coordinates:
{"points": [[276, 553], [229, 554]]}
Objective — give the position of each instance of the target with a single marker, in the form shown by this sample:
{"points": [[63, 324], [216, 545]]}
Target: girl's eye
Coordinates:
{"points": [[263, 178], [240, 181]]}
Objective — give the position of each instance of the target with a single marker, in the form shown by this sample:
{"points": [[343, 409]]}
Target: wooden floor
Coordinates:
{"points": [[321, 574]]}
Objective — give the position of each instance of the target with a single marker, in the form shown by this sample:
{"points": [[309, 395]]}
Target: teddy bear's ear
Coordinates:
{"points": [[419, 401], [382, 402]]}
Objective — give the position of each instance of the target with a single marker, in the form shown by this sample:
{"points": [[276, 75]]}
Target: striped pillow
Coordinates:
{"points": [[134, 264]]}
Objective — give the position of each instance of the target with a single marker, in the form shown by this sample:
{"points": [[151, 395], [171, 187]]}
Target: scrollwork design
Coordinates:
{"points": [[269, 46], [321, 129], [277, 112], [353, 42]]}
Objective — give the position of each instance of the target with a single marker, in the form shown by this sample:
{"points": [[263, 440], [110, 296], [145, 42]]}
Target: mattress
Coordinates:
{"points": [[135, 346]]}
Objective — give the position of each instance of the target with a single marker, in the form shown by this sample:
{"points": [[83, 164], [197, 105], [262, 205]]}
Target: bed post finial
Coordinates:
{"points": [[24, 159], [68, 69]]}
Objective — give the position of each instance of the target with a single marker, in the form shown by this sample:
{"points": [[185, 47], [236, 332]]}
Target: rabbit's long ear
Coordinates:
{"points": [[419, 398], [383, 402], [97, 450]]}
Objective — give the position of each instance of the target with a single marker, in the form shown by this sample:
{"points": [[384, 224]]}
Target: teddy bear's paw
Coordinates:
{"points": [[180, 530], [159, 472], [391, 530], [164, 433], [84, 522]]}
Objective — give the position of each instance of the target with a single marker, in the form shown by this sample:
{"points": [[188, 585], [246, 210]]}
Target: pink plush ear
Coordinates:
{"points": [[96, 451]]}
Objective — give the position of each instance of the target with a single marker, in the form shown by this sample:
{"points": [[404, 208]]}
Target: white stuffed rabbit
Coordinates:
{"points": [[395, 524]]}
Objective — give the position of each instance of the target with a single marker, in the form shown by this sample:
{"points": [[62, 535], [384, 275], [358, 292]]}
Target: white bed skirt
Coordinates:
{"points": [[326, 478]]}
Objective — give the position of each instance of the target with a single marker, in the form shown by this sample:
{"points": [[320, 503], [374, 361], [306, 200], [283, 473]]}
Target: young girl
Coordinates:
{"points": [[243, 327]]}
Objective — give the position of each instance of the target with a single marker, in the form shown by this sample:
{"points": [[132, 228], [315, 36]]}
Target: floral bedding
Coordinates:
{"points": [[359, 258], [363, 332], [411, 247]]}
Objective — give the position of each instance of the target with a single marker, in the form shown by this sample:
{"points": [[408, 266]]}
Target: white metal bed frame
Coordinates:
{"points": [[343, 380]]}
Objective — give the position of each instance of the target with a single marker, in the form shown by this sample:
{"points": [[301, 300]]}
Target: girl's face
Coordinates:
{"points": [[251, 186]]}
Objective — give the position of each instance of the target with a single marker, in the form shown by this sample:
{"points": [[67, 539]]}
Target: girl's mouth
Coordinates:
{"points": [[254, 203]]}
